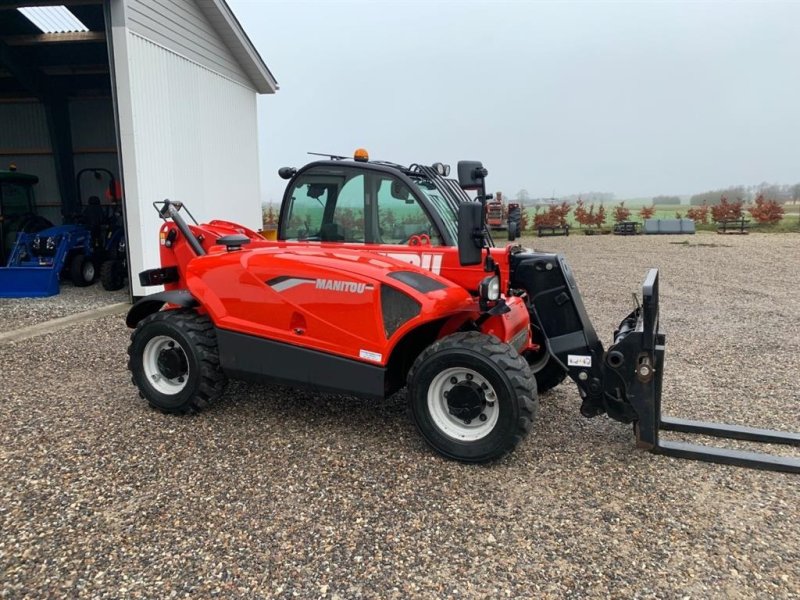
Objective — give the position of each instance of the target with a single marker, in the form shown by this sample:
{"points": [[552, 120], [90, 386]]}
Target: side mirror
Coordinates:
{"points": [[471, 174], [470, 223], [286, 172]]}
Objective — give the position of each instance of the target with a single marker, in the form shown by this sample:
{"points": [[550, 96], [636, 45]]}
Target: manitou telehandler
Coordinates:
{"points": [[385, 276]]}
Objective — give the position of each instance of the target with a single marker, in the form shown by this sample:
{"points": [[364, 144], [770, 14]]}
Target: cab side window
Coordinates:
{"points": [[326, 206], [400, 216], [348, 214], [306, 210]]}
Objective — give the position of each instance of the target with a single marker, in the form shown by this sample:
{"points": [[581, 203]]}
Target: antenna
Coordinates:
{"points": [[331, 156]]}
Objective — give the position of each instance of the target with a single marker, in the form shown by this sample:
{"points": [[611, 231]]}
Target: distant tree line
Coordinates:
{"points": [[667, 200], [769, 191], [714, 197], [591, 197], [781, 193]]}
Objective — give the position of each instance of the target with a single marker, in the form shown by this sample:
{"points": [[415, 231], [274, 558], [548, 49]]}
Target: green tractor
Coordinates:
{"points": [[17, 209]]}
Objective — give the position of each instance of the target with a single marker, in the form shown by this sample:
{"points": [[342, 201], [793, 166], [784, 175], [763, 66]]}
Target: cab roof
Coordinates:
{"points": [[17, 177]]}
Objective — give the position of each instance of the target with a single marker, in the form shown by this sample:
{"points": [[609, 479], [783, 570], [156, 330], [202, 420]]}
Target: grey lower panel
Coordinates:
{"points": [[259, 359]]}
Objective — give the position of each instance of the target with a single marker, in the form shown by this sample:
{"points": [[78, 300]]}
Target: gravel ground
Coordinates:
{"points": [[21, 312], [280, 493]]}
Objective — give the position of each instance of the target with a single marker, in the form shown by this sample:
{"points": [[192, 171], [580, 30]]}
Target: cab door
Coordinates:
{"points": [[363, 208], [405, 229]]}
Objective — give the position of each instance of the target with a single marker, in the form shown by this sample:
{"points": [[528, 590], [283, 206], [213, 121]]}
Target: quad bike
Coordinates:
{"points": [[346, 301]]}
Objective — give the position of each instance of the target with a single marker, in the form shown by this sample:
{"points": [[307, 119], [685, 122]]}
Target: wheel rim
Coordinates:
{"points": [[88, 271], [458, 409], [165, 365]]}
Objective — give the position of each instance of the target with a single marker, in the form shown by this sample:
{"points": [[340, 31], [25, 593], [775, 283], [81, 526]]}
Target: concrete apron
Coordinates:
{"points": [[24, 333]]}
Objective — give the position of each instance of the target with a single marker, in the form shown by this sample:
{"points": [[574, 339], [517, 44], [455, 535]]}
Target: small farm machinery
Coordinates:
{"points": [[105, 223], [40, 253], [498, 212], [385, 276], [38, 259], [17, 209]]}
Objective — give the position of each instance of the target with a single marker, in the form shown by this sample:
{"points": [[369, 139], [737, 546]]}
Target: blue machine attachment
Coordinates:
{"points": [[38, 259]]}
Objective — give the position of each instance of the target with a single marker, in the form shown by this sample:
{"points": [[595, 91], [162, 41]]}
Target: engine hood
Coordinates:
{"points": [[339, 269]]}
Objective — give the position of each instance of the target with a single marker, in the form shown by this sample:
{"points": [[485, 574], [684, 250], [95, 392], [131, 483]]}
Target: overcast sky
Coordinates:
{"points": [[637, 99]]}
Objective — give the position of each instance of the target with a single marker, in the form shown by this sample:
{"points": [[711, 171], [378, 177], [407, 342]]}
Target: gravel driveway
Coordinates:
{"points": [[21, 312], [282, 493]]}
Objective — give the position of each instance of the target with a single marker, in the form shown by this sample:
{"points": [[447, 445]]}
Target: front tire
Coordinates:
{"points": [[174, 361], [472, 397]]}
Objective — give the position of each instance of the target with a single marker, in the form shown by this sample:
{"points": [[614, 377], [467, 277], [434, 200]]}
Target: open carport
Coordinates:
{"points": [[130, 102]]}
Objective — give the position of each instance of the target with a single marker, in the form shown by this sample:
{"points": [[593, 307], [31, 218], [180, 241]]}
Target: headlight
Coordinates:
{"points": [[441, 169], [36, 243], [50, 244], [490, 288]]}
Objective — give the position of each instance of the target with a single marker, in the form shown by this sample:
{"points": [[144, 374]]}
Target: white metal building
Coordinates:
{"points": [[162, 93]]}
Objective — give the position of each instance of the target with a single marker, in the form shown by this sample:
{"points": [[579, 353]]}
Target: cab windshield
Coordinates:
{"points": [[441, 205], [15, 199]]}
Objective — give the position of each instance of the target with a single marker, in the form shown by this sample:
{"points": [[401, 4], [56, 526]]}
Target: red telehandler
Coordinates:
{"points": [[385, 276]]}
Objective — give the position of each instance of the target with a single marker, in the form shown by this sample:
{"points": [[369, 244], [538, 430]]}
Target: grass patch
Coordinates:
{"points": [[789, 224]]}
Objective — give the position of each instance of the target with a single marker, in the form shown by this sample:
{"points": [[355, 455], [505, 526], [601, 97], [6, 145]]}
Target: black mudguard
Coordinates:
{"points": [[154, 302], [558, 313]]}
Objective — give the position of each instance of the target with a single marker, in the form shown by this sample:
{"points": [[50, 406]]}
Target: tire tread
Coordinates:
{"points": [[200, 331], [515, 367], [111, 277]]}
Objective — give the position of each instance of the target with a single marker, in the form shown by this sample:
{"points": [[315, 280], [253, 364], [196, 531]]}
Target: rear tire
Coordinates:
{"points": [[472, 397], [82, 271], [113, 275], [174, 361]]}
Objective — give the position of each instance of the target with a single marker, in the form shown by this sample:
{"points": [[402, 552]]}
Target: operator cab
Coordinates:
{"points": [[359, 202], [380, 203], [17, 209]]}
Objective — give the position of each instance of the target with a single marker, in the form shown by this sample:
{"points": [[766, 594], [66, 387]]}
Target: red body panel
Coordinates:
{"points": [[441, 260], [232, 288]]}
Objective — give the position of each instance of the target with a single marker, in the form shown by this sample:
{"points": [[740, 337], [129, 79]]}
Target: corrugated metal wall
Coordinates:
{"points": [[190, 135], [25, 141], [24, 126], [183, 28]]}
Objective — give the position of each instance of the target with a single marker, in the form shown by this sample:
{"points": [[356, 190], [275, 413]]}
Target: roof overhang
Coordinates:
{"points": [[227, 25]]}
